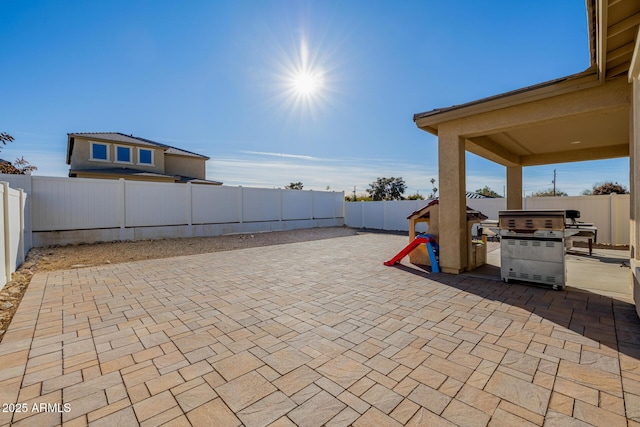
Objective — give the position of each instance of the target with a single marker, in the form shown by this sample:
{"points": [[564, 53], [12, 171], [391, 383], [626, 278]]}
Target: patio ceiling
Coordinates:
{"points": [[615, 41], [575, 138]]}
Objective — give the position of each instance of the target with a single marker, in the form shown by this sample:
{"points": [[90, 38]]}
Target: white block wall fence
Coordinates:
{"points": [[391, 215], [75, 210], [609, 213], [12, 250], [58, 211]]}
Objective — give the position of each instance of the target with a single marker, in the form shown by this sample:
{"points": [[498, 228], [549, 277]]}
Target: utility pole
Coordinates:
{"points": [[554, 182], [354, 193]]}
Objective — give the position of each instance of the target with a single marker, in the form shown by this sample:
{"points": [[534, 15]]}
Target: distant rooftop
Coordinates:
{"points": [[130, 139]]}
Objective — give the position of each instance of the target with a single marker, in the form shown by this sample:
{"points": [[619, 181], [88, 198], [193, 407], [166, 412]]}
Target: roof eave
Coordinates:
{"points": [[190, 155], [429, 120], [199, 181], [592, 29], [69, 148]]}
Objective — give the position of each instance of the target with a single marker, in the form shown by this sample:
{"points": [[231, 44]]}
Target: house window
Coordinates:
{"points": [[99, 151], [145, 157], [123, 154]]}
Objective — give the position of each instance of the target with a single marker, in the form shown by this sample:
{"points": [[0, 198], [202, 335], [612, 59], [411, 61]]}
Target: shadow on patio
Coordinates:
{"points": [[611, 321]]}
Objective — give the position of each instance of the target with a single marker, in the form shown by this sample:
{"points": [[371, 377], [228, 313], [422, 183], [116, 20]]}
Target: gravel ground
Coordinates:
{"points": [[79, 256]]}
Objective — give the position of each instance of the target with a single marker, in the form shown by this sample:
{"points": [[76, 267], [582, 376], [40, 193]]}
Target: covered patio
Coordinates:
{"points": [[591, 115]]}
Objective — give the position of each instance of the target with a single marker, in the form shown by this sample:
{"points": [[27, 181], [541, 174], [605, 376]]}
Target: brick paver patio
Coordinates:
{"points": [[311, 334]]}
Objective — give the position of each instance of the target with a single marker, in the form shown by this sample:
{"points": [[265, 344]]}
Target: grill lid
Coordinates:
{"points": [[529, 221]]}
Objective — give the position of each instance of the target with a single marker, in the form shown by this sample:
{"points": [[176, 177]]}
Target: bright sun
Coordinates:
{"points": [[306, 83], [303, 83]]}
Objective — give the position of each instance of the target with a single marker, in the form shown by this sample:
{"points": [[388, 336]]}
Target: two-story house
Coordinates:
{"points": [[114, 155]]}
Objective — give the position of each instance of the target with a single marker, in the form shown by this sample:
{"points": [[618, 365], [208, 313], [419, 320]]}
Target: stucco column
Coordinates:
{"points": [[514, 187], [453, 213], [634, 181], [633, 172]]}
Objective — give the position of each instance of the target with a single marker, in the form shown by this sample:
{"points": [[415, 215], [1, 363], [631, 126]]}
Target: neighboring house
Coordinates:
{"points": [[114, 155]]}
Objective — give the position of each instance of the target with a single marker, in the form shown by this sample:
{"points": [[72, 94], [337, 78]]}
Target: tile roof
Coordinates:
{"points": [[130, 139], [472, 195], [424, 212]]}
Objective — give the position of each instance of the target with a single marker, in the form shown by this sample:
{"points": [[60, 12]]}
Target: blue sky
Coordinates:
{"points": [[217, 78]]}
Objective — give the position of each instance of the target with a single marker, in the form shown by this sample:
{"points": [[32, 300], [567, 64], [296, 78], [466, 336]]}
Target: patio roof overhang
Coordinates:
{"points": [[575, 118], [584, 116]]}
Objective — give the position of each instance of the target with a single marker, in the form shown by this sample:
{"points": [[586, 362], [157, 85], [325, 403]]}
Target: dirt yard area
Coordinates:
{"points": [[80, 256]]}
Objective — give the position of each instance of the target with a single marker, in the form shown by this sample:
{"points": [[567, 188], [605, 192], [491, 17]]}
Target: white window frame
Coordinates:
{"points": [[115, 154], [108, 159], [152, 157]]}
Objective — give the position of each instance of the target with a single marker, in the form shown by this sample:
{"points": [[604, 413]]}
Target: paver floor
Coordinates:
{"points": [[312, 334]]}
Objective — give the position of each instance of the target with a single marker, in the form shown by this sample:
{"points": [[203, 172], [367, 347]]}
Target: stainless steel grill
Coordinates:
{"points": [[533, 242], [532, 246]]}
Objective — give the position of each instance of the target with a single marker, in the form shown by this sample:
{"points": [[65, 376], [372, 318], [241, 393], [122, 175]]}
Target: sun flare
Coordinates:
{"points": [[307, 83], [303, 80]]}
